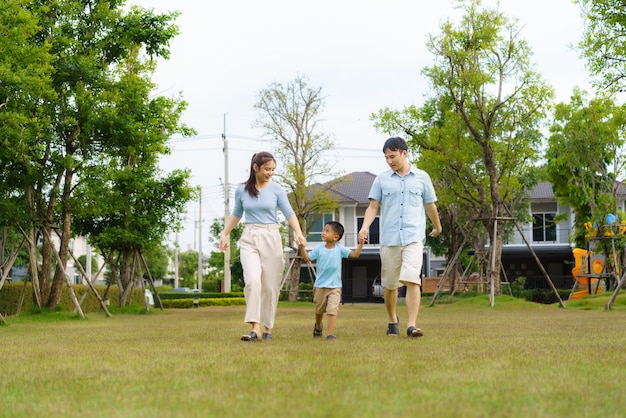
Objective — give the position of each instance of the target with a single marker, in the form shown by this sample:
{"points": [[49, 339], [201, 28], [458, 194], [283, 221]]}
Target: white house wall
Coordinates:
{"points": [[79, 247], [563, 228]]}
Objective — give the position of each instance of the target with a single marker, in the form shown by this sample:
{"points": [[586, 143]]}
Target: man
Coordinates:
{"points": [[403, 194]]}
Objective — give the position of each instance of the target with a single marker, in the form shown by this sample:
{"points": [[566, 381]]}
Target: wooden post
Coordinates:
{"points": [[67, 279], [93, 289], [545, 273], [492, 296], [156, 294], [443, 278]]}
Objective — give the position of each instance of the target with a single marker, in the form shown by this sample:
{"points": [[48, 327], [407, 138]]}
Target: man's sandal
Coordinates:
{"points": [[392, 329], [414, 332], [316, 332], [252, 336]]}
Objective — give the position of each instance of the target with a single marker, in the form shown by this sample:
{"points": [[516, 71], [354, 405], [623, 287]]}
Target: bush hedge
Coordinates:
{"points": [[184, 303], [11, 292], [200, 295]]}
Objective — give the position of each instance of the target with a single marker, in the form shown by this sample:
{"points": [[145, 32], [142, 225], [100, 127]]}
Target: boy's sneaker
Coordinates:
{"points": [[316, 332]]}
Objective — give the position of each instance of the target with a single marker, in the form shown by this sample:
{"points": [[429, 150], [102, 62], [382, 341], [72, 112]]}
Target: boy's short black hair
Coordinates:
{"points": [[395, 143], [337, 227]]}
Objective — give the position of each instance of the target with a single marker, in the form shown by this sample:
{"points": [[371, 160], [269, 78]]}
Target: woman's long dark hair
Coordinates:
{"points": [[259, 159]]}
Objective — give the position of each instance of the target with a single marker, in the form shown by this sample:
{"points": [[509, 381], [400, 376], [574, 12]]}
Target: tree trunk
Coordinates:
{"points": [[294, 279], [125, 277], [495, 255], [33, 266]]}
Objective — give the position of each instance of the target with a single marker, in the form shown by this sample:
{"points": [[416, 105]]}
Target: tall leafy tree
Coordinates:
{"points": [[137, 128], [603, 44], [95, 60], [188, 268], [25, 90], [290, 114], [157, 259], [479, 134], [216, 258], [585, 159]]}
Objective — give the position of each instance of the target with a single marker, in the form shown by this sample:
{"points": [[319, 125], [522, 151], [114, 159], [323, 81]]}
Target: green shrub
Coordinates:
{"points": [[10, 295], [185, 303], [517, 288], [546, 296], [200, 295]]}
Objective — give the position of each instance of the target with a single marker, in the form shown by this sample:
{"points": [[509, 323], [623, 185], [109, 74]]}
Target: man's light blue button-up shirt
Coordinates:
{"points": [[402, 199]]}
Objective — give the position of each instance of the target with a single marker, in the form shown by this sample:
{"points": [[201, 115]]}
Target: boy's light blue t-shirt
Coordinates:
{"points": [[262, 209], [328, 266]]}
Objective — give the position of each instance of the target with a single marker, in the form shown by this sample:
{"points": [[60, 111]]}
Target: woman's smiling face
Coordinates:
{"points": [[265, 172]]}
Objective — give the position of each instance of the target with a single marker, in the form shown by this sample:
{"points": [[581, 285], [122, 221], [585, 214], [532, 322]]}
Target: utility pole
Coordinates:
{"points": [[176, 261], [226, 285], [200, 240]]}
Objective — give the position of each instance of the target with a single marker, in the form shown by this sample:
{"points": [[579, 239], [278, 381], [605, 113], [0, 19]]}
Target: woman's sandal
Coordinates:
{"points": [[252, 336], [266, 336], [414, 332]]}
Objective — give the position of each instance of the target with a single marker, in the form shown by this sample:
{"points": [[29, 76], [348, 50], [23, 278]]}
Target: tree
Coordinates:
{"points": [[290, 115], [604, 41], [188, 268], [216, 258], [585, 158], [82, 71], [82, 260], [157, 259], [25, 87], [478, 135]]}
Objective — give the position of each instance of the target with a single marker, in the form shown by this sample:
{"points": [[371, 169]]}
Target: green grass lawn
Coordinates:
{"points": [[516, 359]]}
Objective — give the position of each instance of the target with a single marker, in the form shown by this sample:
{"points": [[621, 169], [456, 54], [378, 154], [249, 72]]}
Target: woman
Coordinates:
{"points": [[261, 247]]}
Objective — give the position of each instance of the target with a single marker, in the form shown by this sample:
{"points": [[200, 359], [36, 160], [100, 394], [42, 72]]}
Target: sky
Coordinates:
{"points": [[365, 55]]}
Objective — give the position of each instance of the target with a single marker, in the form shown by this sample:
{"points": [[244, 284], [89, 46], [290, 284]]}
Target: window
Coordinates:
{"points": [[544, 227], [315, 233], [374, 235]]}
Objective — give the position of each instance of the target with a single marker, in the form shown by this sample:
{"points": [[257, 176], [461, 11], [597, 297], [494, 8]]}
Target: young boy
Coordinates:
{"points": [[327, 289]]}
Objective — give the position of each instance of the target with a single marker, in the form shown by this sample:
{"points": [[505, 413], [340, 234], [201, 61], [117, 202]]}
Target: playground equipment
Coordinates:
{"points": [[588, 270], [593, 271]]}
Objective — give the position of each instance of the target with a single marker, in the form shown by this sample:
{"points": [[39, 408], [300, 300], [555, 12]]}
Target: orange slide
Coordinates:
{"points": [[584, 281]]}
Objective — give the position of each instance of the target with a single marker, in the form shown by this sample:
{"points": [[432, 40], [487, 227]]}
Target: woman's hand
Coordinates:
{"points": [[223, 245], [301, 240]]}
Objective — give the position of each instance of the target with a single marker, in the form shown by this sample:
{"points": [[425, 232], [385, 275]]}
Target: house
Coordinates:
{"points": [[549, 240], [79, 247]]}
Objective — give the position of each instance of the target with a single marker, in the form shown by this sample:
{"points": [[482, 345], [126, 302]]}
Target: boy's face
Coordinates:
{"points": [[328, 234]]}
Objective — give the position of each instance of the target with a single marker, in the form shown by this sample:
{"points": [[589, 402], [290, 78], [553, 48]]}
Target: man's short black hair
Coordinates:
{"points": [[395, 143], [337, 227]]}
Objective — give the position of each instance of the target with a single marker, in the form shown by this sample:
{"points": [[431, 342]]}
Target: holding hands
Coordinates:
{"points": [[363, 236]]}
